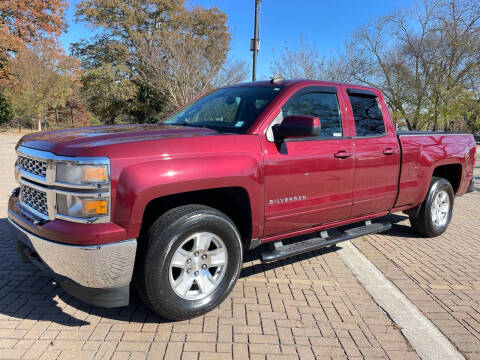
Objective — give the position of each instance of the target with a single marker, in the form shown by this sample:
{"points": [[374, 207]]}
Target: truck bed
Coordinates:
{"points": [[426, 154]]}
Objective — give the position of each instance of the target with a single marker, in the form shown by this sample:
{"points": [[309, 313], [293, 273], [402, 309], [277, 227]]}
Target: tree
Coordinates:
{"points": [[305, 62], [177, 67], [6, 111], [108, 93], [231, 73], [420, 58], [425, 59], [22, 22], [302, 63], [75, 111], [43, 78], [161, 52], [469, 110]]}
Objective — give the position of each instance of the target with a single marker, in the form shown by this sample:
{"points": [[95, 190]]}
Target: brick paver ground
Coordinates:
{"points": [[440, 275], [309, 307]]}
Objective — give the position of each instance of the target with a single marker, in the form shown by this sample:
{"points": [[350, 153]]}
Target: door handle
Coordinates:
{"points": [[389, 151], [342, 154]]}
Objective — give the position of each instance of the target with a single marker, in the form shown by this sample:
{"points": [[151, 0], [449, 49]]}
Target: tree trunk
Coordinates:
{"points": [[44, 119], [435, 116], [409, 125], [39, 123], [71, 114], [56, 117]]}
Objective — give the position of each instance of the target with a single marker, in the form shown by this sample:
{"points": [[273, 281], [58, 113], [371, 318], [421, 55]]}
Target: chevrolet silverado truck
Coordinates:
{"points": [[171, 208]]}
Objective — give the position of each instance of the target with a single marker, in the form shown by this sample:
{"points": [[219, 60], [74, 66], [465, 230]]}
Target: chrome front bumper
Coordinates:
{"points": [[94, 266]]}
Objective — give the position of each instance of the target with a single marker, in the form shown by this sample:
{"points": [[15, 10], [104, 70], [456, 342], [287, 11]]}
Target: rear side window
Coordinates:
{"points": [[367, 115], [321, 105]]}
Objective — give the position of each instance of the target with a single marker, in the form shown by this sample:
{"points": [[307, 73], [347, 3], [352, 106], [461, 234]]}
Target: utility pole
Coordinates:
{"points": [[255, 42]]}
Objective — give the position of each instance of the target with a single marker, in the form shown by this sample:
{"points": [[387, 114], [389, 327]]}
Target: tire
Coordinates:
{"points": [[431, 219], [180, 244]]}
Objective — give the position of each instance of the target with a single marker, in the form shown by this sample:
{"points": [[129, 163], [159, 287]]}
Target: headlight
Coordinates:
{"points": [[71, 173], [81, 207]]}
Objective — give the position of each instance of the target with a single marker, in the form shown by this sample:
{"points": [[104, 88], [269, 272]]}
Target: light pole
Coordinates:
{"points": [[255, 42]]}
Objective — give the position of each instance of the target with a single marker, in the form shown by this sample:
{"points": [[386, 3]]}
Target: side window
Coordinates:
{"points": [[367, 115], [321, 105]]}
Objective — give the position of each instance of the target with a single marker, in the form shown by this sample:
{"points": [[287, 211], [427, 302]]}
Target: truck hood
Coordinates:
{"points": [[69, 139]]}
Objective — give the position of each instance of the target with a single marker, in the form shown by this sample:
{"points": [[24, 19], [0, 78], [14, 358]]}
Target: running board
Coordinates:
{"points": [[284, 251]]}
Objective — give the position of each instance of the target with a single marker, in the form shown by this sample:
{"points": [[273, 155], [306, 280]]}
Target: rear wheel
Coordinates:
{"points": [[192, 261], [436, 210]]}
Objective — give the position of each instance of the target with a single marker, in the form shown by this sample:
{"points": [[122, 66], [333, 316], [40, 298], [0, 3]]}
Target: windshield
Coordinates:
{"points": [[226, 110]]}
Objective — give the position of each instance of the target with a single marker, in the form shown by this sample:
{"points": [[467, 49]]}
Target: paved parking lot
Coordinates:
{"points": [[311, 306], [441, 276]]}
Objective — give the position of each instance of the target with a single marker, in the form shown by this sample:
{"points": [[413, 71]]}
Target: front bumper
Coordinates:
{"points": [[98, 274]]}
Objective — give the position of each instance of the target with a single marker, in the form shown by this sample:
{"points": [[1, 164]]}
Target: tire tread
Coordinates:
{"points": [[163, 229], [421, 222]]}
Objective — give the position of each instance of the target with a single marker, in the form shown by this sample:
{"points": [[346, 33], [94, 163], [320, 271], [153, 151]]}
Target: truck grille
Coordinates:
{"points": [[36, 199], [36, 167]]}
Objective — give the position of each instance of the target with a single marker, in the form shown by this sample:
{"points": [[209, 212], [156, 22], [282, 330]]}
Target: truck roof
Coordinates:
{"points": [[301, 81]]}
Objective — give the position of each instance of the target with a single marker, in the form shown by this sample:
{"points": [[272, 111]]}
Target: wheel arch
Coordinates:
{"points": [[211, 181], [452, 172], [232, 201]]}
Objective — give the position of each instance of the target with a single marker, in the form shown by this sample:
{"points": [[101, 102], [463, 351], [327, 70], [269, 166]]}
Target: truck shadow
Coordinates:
{"points": [[252, 259], [28, 293], [252, 264], [398, 230]]}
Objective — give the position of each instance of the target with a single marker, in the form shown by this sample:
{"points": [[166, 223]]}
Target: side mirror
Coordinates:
{"points": [[297, 126]]}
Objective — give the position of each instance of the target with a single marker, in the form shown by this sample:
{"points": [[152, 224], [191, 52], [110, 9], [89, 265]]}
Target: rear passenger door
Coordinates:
{"points": [[377, 154], [308, 181]]}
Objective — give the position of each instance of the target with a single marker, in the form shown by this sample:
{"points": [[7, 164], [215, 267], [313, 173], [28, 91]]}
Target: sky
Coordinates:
{"points": [[326, 24]]}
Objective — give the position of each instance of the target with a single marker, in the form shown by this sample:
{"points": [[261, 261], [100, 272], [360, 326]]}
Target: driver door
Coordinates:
{"points": [[309, 181]]}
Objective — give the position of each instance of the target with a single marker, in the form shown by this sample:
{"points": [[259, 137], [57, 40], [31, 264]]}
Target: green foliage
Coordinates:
{"points": [[94, 121], [6, 111], [108, 93], [470, 110]]}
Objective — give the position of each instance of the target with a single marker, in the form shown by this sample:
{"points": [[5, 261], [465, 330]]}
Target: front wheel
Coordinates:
{"points": [[192, 261], [436, 210]]}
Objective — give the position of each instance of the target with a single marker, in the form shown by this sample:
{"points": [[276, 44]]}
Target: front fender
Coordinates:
{"points": [[140, 183]]}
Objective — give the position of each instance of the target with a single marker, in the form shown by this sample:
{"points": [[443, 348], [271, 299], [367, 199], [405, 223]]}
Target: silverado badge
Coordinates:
{"points": [[287, 199]]}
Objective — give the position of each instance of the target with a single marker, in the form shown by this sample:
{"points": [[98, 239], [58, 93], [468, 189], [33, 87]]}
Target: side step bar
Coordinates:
{"points": [[284, 251]]}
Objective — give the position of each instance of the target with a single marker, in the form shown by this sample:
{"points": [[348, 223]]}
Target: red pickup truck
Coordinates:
{"points": [[172, 207]]}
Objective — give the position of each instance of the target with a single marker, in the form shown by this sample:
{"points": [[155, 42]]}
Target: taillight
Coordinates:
{"points": [[475, 156]]}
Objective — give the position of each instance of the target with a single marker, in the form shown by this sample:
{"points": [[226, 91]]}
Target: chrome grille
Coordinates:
{"points": [[36, 167], [35, 171], [36, 199]]}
